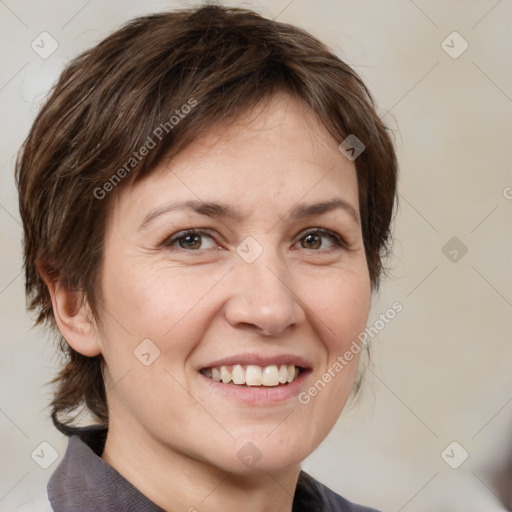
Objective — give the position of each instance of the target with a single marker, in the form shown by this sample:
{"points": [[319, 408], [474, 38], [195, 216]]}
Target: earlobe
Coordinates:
{"points": [[72, 315]]}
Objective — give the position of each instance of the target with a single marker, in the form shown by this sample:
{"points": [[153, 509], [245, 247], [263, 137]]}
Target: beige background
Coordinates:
{"points": [[442, 367]]}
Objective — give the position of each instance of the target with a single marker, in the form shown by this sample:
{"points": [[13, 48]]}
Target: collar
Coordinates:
{"points": [[84, 482]]}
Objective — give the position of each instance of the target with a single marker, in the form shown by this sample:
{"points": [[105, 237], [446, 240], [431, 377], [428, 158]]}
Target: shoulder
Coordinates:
{"points": [[312, 496]]}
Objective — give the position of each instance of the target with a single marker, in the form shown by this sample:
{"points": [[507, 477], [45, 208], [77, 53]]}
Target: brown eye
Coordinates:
{"points": [[312, 242], [315, 240], [190, 241]]}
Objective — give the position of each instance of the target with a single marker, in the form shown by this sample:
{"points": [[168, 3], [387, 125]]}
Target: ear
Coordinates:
{"points": [[73, 315]]}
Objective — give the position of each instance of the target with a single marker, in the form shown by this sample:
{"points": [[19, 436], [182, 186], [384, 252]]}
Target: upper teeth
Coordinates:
{"points": [[253, 375]]}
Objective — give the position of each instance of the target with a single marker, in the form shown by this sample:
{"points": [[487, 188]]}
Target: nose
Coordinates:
{"points": [[263, 298]]}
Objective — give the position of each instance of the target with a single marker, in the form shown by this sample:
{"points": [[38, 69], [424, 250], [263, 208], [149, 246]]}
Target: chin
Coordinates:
{"points": [[270, 452], [265, 465]]}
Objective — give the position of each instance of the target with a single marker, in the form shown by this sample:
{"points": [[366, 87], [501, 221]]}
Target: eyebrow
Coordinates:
{"points": [[226, 211]]}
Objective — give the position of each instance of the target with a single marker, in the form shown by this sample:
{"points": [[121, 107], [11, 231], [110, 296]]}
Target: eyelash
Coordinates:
{"points": [[335, 238]]}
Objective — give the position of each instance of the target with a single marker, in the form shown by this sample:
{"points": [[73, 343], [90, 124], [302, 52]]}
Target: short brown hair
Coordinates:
{"points": [[109, 102]]}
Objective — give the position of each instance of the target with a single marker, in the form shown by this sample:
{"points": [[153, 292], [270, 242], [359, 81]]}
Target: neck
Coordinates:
{"points": [[176, 481]]}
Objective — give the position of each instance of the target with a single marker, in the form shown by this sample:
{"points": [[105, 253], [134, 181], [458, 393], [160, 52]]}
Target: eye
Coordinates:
{"points": [[315, 238], [318, 239], [190, 240]]}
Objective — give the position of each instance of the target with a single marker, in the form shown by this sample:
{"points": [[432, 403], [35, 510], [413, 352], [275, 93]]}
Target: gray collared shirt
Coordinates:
{"points": [[84, 482]]}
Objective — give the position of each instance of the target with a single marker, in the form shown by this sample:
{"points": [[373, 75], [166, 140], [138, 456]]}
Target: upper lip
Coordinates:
{"points": [[260, 360]]}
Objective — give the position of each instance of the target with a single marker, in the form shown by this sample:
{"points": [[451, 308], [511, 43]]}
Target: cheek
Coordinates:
{"points": [[172, 307], [162, 305], [154, 300], [342, 304]]}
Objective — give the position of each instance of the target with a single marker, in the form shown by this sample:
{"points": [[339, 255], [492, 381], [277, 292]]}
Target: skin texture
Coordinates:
{"points": [[171, 434]]}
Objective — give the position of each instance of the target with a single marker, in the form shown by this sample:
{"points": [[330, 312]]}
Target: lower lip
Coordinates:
{"points": [[259, 395]]}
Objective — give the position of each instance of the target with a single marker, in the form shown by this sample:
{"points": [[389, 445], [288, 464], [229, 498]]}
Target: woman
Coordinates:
{"points": [[206, 196]]}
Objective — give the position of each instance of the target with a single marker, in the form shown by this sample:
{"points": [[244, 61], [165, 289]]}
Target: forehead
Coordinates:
{"points": [[276, 155]]}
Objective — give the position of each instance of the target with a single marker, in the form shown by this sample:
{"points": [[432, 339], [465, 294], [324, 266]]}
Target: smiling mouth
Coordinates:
{"points": [[253, 376]]}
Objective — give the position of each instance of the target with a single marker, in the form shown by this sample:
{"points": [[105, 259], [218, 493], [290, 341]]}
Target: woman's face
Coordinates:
{"points": [[273, 274]]}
